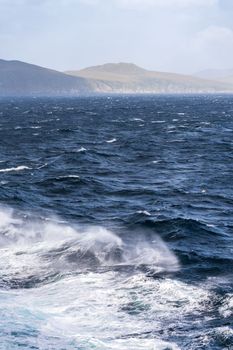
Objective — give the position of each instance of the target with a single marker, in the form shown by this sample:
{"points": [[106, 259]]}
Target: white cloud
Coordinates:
{"points": [[142, 4], [215, 35], [214, 46], [166, 3], [157, 34], [132, 4]]}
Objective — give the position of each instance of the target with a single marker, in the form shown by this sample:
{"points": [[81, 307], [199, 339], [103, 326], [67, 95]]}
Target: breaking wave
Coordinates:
{"points": [[29, 246]]}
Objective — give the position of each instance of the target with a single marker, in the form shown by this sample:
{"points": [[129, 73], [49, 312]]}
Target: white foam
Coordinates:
{"points": [[137, 120], [4, 182], [145, 212], [226, 310], [39, 236], [104, 309], [111, 141], [69, 176], [18, 168], [81, 149]]}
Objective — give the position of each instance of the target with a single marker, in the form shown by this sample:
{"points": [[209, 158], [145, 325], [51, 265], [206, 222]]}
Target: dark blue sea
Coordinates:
{"points": [[116, 223]]}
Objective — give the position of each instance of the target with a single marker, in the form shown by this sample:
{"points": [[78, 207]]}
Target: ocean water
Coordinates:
{"points": [[116, 223]]}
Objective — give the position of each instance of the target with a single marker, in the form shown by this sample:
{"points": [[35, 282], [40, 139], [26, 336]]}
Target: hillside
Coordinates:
{"points": [[23, 79], [129, 78], [220, 75]]}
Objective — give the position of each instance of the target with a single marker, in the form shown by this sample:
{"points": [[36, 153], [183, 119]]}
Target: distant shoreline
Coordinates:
{"points": [[27, 80]]}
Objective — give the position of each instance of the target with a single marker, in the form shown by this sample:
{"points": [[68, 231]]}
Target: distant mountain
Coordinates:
{"points": [[221, 75], [23, 79], [129, 78]]}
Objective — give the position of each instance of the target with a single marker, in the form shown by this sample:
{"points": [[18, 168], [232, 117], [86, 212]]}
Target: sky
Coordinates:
{"points": [[183, 36]]}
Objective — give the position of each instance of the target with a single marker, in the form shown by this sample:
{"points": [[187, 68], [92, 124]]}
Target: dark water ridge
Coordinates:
{"points": [[116, 225]]}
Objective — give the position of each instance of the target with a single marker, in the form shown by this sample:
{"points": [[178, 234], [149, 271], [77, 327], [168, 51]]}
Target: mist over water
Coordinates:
{"points": [[116, 223]]}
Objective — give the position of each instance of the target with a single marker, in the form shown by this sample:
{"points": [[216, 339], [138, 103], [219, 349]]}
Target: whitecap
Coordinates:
{"points": [[81, 149], [18, 168], [137, 120], [210, 225], [4, 182], [145, 212], [69, 176], [111, 141], [104, 246], [226, 309], [108, 308]]}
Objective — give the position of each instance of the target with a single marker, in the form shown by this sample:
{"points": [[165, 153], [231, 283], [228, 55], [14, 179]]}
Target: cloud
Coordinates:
{"points": [[166, 3], [215, 35], [214, 46], [215, 40], [145, 4], [127, 4], [171, 35]]}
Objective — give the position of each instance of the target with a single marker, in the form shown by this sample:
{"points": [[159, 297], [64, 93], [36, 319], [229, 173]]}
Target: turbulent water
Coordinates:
{"points": [[116, 223]]}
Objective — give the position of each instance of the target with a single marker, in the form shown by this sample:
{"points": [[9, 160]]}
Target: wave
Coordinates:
{"points": [[193, 242], [111, 140], [81, 149], [183, 225], [38, 247], [69, 177], [18, 168], [60, 179]]}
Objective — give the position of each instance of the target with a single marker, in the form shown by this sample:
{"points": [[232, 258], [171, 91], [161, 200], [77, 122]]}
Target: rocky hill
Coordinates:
{"points": [[129, 78]]}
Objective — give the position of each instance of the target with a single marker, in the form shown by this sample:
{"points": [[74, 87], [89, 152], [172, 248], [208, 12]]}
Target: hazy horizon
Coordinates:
{"points": [[183, 36]]}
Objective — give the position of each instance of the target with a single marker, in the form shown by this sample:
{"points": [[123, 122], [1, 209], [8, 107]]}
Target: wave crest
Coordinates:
{"points": [[32, 246]]}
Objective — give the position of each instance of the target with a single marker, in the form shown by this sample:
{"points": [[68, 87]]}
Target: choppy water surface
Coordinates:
{"points": [[116, 223]]}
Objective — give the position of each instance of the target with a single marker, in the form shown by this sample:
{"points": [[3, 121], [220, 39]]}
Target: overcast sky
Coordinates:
{"points": [[166, 35]]}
